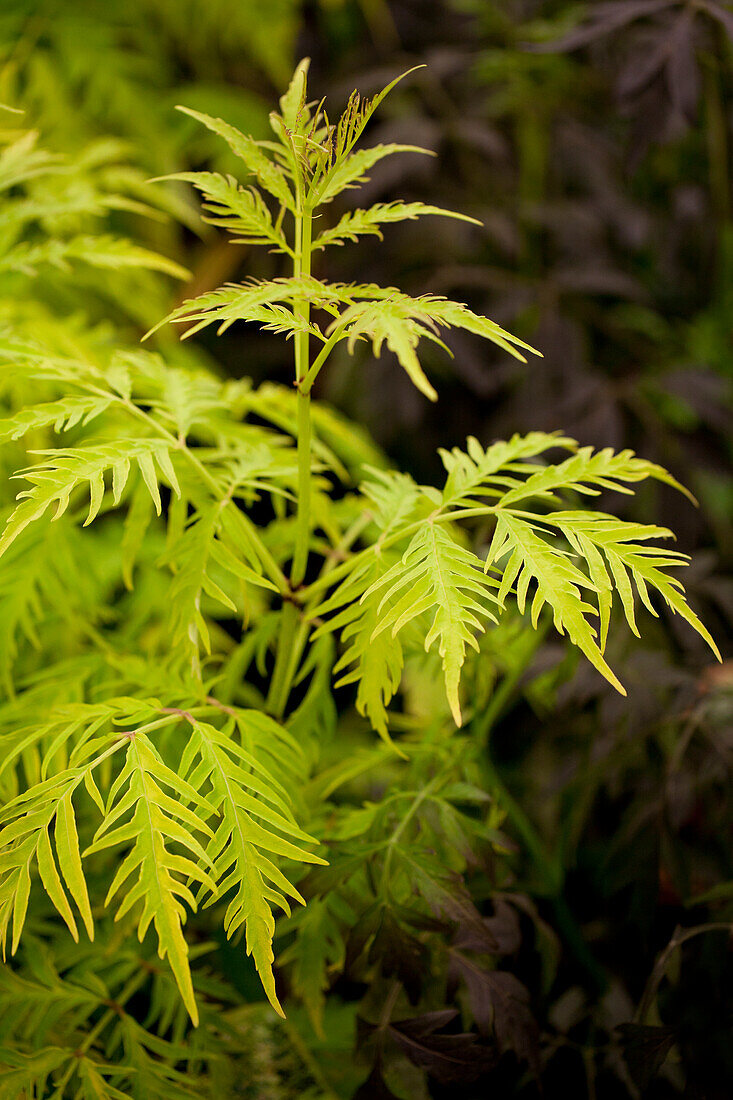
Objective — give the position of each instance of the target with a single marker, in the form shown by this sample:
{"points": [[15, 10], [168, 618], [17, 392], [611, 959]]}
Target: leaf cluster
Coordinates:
{"points": [[259, 593]]}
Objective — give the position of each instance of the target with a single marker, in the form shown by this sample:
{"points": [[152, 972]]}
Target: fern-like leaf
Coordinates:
{"points": [[401, 321], [249, 302], [203, 546], [268, 174], [256, 819], [352, 170], [583, 471], [26, 825], [56, 479], [62, 415], [628, 563], [103, 252], [559, 583], [22, 161], [438, 576], [398, 322], [155, 821], [375, 659], [490, 471], [359, 223], [27, 1074], [238, 209]]}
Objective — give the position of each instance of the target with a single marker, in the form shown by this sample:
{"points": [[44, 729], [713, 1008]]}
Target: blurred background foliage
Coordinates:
{"points": [[593, 140]]}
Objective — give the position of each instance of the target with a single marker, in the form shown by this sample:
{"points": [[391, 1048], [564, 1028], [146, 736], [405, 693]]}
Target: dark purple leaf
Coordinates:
{"points": [[644, 1049], [447, 1058], [418, 921], [649, 61], [722, 14], [446, 894], [502, 928], [400, 955], [500, 1005], [420, 1026], [682, 74], [360, 935], [651, 122], [605, 19]]}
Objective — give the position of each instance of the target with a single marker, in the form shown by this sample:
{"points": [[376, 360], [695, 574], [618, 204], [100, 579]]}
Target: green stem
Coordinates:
{"points": [[306, 384], [504, 692], [400, 828], [132, 987], [302, 530], [277, 695], [287, 652]]}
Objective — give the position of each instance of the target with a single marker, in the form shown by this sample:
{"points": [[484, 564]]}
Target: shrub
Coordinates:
{"points": [[192, 680]]}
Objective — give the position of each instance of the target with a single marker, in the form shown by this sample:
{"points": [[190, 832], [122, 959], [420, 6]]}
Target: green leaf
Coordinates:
{"points": [[352, 170], [56, 479], [388, 315], [155, 1066], [397, 322], [21, 1072], [137, 522], [62, 415], [358, 223], [155, 821], [376, 661], [256, 822], [318, 948], [201, 548], [394, 498], [490, 471], [293, 101], [268, 174], [189, 399], [102, 252], [93, 1084], [558, 583], [237, 209], [21, 161], [628, 562], [587, 469], [69, 857], [251, 301], [457, 315], [438, 576], [25, 836]]}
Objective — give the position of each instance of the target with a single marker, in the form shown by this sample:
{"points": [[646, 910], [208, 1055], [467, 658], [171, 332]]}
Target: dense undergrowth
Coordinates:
{"points": [[539, 896]]}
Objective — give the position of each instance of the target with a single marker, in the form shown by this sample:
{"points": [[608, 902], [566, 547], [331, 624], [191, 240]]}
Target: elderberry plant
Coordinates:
{"points": [[211, 601]]}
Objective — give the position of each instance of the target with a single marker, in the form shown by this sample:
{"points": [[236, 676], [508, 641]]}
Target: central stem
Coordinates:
{"points": [[302, 267], [290, 640]]}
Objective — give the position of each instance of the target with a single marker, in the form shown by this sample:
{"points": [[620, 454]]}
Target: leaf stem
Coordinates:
{"points": [[421, 797], [334, 575], [306, 383], [277, 695], [679, 937]]}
